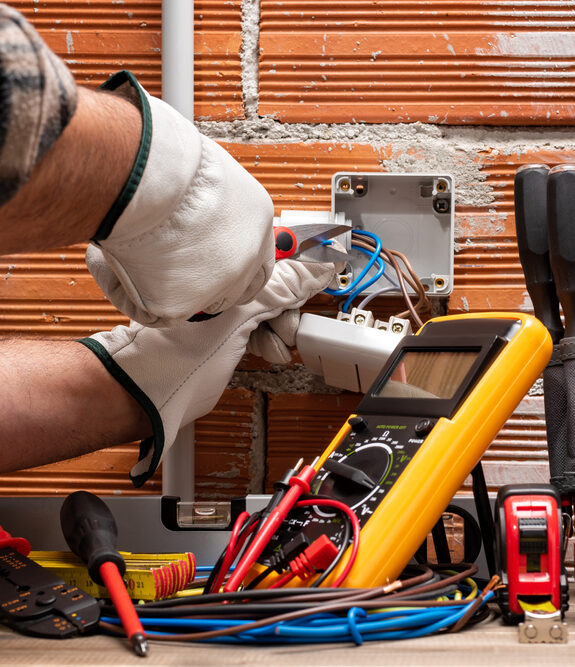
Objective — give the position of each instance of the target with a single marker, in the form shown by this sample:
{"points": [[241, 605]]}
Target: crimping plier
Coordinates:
{"points": [[34, 601], [309, 242]]}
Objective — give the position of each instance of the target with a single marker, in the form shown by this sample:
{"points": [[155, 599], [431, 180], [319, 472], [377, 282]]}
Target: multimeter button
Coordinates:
{"points": [[423, 426], [357, 424], [45, 601]]}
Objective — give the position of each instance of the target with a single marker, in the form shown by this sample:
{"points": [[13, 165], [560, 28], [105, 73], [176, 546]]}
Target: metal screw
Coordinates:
{"points": [[530, 631], [396, 327], [359, 319], [556, 631]]}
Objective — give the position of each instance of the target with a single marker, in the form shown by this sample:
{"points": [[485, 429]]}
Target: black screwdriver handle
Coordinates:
{"points": [[532, 241], [91, 533], [561, 229]]}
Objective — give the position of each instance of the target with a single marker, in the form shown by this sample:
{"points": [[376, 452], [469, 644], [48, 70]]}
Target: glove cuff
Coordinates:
{"points": [[131, 89], [152, 448]]}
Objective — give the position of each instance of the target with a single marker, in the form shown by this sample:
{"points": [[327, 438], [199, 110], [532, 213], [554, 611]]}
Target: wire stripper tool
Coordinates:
{"points": [[309, 242], [36, 602]]}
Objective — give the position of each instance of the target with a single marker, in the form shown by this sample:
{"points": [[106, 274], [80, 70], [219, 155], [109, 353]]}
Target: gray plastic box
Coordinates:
{"points": [[411, 213]]}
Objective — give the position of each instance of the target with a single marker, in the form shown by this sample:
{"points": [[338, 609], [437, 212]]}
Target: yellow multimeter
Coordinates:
{"points": [[433, 410]]}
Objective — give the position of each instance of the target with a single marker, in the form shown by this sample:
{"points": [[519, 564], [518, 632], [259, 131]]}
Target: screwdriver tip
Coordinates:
{"points": [[140, 644]]}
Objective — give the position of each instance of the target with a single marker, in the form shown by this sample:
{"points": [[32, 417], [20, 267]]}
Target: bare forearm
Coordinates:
{"points": [[76, 182], [58, 402]]}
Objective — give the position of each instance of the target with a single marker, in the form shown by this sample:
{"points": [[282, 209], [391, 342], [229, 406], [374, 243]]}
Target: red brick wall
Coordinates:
{"points": [[412, 85]]}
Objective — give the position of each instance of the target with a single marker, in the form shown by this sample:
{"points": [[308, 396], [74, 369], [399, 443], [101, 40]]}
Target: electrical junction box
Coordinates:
{"points": [[410, 213]]}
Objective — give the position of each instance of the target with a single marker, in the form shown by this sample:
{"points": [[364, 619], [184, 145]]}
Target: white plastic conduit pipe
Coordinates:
{"points": [[178, 469]]}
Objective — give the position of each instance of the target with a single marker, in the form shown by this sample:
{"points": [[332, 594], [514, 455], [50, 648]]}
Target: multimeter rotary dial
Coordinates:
{"points": [[356, 475]]}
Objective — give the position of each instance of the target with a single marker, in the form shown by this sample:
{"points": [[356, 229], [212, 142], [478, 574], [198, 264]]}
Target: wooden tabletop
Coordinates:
{"points": [[490, 643]]}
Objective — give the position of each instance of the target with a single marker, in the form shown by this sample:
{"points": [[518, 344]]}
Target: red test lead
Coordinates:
{"points": [[299, 485]]}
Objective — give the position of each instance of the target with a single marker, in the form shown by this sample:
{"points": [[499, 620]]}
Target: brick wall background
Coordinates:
{"points": [[297, 91]]}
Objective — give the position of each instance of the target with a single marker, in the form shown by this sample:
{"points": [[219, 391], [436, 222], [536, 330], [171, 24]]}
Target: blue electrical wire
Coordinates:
{"points": [[365, 285], [366, 268], [357, 626], [356, 287]]}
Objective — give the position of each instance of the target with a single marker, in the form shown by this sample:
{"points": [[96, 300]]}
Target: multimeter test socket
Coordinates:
{"points": [[439, 401]]}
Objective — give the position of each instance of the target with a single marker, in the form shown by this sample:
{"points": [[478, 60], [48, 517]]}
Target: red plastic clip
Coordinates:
{"points": [[19, 544]]}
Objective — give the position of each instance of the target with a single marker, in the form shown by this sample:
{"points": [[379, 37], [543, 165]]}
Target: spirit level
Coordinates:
{"points": [[435, 407]]}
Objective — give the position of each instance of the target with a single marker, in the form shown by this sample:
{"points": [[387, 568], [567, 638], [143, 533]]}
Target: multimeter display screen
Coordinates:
{"points": [[428, 374]]}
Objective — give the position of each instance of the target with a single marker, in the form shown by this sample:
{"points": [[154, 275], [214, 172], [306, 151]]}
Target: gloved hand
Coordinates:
{"points": [[179, 373], [192, 230], [272, 339]]}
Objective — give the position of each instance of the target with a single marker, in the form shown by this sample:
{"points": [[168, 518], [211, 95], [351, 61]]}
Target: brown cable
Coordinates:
{"points": [[386, 255], [363, 596]]}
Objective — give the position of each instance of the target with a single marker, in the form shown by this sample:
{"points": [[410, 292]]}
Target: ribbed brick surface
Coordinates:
{"points": [[53, 294], [100, 37], [470, 62], [449, 62]]}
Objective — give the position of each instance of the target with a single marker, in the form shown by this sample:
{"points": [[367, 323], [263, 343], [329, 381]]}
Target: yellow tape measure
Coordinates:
{"points": [[147, 576]]}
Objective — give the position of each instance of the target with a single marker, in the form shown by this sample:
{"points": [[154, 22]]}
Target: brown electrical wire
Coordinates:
{"points": [[410, 277], [373, 598], [400, 276]]}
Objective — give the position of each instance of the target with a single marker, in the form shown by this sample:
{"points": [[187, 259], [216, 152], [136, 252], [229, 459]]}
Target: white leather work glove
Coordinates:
{"points": [[191, 231], [272, 339], [179, 373]]}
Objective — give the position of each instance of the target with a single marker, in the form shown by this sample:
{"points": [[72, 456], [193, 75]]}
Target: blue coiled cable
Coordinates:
{"points": [[358, 626]]}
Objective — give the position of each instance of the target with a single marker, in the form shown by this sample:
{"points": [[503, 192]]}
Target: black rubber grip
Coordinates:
{"points": [[91, 533], [561, 230], [533, 244]]}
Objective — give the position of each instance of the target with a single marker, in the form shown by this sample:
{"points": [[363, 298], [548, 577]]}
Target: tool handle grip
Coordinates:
{"points": [[90, 532], [561, 226], [533, 244], [19, 544], [285, 242]]}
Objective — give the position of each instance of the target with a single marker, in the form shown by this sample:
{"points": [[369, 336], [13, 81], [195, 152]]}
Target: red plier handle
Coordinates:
{"points": [[286, 242], [19, 544]]}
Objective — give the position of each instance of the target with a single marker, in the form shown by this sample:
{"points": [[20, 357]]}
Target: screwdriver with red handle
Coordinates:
{"points": [[90, 531]]}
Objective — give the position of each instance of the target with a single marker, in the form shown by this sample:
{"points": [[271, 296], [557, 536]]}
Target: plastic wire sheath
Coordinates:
{"points": [[299, 484], [347, 534], [368, 283], [404, 624], [356, 528], [411, 277], [330, 607], [239, 533], [413, 280], [337, 559], [366, 268], [218, 567]]}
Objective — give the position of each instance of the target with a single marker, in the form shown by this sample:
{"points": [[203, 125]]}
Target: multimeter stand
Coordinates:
{"points": [[485, 516], [476, 535]]}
